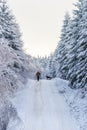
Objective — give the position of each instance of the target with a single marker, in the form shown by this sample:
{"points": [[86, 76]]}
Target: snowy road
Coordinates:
{"points": [[41, 107]]}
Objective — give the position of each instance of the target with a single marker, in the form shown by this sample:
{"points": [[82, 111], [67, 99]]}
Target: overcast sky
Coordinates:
{"points": [[40, 22]]}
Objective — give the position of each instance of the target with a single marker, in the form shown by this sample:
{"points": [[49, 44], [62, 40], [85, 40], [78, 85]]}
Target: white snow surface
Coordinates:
{"points": [[76, 100], [41, 106]]}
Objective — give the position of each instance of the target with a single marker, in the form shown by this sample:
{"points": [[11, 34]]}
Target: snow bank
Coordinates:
{"points": [[77, 101], [10, 82]]}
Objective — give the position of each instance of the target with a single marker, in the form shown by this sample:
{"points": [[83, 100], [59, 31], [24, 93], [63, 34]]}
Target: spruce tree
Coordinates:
{"points": [[10, 28], [61, 52], [75, 58], [81, 73]]}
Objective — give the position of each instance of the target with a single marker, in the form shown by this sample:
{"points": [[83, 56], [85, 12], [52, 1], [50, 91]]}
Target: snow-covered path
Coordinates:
{"points": [[41, 107]]}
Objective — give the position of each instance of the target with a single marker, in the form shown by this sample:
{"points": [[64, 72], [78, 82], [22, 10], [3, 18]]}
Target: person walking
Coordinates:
{"points": [[38, 75]]}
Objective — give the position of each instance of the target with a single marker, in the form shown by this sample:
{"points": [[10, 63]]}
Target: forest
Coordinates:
{"points": [[68, 63]]}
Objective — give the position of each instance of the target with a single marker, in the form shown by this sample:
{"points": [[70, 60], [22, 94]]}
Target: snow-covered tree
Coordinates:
{"points": [[43, 61], [77, 60], [72, 49], [10, 29], [51, 66], [61, 51], [81, 66]]}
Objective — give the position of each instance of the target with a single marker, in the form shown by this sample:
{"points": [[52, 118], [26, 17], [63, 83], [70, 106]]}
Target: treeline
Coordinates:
{"points": [[69, 60]]}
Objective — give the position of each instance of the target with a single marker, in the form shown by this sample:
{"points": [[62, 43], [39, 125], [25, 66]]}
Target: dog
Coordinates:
{"points": [[48, 77]]}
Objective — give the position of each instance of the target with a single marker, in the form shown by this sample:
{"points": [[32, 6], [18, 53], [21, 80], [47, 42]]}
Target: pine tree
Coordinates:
{"points": [[51, 66], [76, 73], [81, 73], [10, 28], [75, 58], [61, 52]]}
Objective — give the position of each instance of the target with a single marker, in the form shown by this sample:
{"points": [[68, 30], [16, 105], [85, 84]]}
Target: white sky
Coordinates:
{"points": [[40, 22]]}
